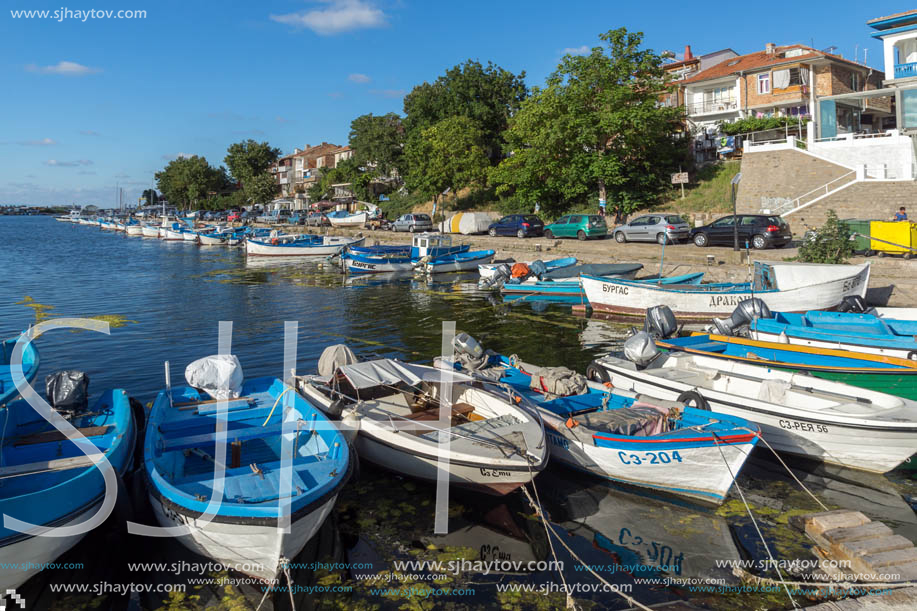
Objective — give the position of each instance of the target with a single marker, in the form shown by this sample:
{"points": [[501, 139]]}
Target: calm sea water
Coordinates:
{"points": [[165, 300]]}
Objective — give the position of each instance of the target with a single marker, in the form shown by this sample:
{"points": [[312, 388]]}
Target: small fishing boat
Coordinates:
{"points": [[785, 287], [134, 229], [29, 364], [189, 235], [490, 269], [798, 413], [572, 290], [341, 218], [840, 330], [149, 231], [267, 423], [357, 261], [494, 444], [381, 250], [456, 262], [50, 481], [887, 374], [622, 436], [305, 245]]}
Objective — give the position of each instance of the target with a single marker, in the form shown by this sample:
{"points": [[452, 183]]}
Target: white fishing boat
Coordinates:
{"points": [[784, 287], [134, 230], [492, 444], [457, 262], [149, 231], [189, 235], [305, 245], [799, 414], [348, 220]]}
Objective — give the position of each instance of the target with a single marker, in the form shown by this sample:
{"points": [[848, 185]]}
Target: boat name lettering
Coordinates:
{"points": [[852, 283], [492, 553], [615, 288], [362, 265], [495, 473], [649, 458], [808, 427], [660, 554], [557, 440], [725, 300]]}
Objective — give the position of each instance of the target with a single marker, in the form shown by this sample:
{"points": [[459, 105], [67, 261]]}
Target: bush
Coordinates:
{"points": [[400, 203], [756, 124], [831, 244]]}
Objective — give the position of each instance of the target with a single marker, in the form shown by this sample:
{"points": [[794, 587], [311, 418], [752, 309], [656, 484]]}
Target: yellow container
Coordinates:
{"points": [[900, 233]]}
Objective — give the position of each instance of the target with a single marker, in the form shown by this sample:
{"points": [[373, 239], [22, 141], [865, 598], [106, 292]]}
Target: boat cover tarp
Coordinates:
{"points": [[333, 357], [468, 223], [220, 376], [389, 372], [593, 269]]}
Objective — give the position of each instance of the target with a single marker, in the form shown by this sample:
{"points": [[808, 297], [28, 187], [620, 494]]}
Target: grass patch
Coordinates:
{"points": [[710, 191]]}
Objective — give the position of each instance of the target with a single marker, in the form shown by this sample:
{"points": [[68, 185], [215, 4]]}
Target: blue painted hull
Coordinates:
{"points": [[572, 291], [30, 362]]}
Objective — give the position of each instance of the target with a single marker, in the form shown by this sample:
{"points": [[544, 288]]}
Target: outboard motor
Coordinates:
{"points": [[640, 349], [538, 268], [660, 322], [468, 351], [68, 391], [501, 274], [853, 304], [747, 311]]}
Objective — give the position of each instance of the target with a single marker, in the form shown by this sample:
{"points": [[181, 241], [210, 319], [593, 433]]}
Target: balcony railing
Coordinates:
{"points": [[906, 70], [706, 106]]}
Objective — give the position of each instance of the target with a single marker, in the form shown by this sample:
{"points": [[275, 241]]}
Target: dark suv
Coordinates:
{"points": [[758, 230], [519, 225]]}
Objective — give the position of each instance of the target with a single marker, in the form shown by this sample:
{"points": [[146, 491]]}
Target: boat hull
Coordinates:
{"points": [[354, 220], [789, 338], [134, 230], [458, 263], [150, 232], [262, 249]]}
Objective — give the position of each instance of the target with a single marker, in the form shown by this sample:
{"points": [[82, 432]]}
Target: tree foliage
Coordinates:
{"points": [[150, 195], [756, 124], [248, 159], [488, 95], [830, 244], [187, 181], [260, 189], [378, 142], [596, 127], [347, 171], [448, 155]]}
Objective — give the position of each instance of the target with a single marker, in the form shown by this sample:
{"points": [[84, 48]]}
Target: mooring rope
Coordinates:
{"points": [[793, 475]]}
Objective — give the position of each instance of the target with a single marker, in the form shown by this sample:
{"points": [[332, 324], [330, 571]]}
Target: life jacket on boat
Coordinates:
{"points": [[519, 270]]}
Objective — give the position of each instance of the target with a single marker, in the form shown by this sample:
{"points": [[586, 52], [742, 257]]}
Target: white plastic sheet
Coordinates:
{"points": [[220, 376]]}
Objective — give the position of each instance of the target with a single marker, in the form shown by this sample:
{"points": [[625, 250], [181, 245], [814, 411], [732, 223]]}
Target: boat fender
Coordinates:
{"points": [[274, 241], [912, 355], [690, 397], [597, 373], [571, 423]]}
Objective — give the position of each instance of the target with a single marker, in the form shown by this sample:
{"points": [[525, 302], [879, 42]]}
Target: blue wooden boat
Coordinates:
{"points": [[30, 363], [489, 270], [266, 421], [381, 250], [632, 438], [457, 262], [841, 330], [305, 245], [358, 261], [47, 480], [571, 291]]}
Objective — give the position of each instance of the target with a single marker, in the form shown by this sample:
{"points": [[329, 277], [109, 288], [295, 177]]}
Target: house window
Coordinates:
{"points": [[855, 81], [764, 83], [794, 77]]}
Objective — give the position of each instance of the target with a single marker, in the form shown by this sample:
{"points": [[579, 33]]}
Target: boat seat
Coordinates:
{"points": [[209, 439], [477, 426], [242, 485], [709, 347], [194, 420], [55, 435], [458, 410]]}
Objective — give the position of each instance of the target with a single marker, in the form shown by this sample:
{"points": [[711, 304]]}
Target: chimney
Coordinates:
{"points": [[688, 55], [770, 48]]}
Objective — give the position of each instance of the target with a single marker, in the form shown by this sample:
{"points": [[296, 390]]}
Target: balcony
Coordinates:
{"points": [[906, 70], [711, 106]]}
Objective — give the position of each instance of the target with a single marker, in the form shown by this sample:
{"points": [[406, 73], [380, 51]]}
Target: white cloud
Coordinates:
{"points": [[67, 164], [358, 78], [584, 50], [42, 142], [340, 16], [63, 68]]}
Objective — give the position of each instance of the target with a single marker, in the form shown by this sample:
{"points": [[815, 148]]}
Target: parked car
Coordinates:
{"points": [[657, 228], [580, 226], [234, 215], [759, 230], [519, 225], [317, 219], [413, 223]]}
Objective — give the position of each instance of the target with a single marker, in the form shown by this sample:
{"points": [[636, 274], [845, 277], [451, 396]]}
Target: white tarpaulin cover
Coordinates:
{"points": [[333, 357], [220, 376], [388, 372], [468, 223]]}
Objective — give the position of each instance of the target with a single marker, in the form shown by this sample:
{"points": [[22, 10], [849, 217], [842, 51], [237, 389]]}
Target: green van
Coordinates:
{"points": [[580, 226]]}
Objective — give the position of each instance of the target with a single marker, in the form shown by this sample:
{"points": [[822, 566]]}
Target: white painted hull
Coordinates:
{"points": [[332, 246], [897, 313], [256, 550], [701, 473], [134, 230], [635, 298], [39, 551], [901, 353], [382, 267], [189, 236], [172, 236], [457, 266], [207, 240], [150, 232], [354, 220], [856, 441]]}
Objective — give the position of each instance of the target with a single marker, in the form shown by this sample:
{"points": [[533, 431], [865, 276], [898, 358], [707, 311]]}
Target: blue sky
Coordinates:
{"points": [[88, 104]]}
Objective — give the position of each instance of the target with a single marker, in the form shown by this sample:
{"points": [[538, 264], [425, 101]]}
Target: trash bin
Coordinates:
{"points": [[861, 228], [894, 237]]}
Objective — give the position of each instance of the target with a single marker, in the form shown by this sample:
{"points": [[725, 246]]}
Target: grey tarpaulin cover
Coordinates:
{"points": [[67, 390], [388, 372], [558, 381], [220, 376], [333, 357]]}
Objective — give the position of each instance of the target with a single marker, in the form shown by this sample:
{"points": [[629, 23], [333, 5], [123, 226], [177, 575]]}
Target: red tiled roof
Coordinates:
{"points": [[760, 60], [904, 14]]}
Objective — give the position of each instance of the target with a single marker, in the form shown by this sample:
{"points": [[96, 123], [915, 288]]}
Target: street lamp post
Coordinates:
{"points": [[734, 184]]}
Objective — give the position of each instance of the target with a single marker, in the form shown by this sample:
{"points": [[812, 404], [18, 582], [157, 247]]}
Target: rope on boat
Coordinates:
{"points": [[279, 397], [793, 475], [754, 522], [550, 530]]}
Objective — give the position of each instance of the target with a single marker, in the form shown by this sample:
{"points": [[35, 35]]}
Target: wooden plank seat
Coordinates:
{"points": [[192, 421], [55, 435], [209, 439], [459, 410], [189, 404], [243, 485]]}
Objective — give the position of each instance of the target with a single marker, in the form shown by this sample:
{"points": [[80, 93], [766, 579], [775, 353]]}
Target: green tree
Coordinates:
{"points": [[186, 181], [378, 142], [347, 171], [150, 196], [489, 95], [830, 244], [448, 155], [249, 159], [596, 128], [261, 188]]}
